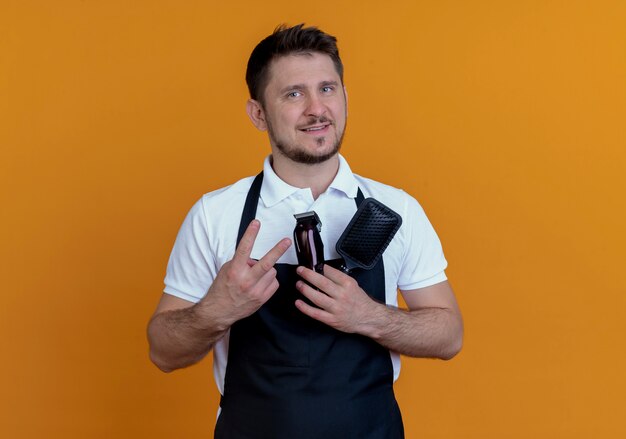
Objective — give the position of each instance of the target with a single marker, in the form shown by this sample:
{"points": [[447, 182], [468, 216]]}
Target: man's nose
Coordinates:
{"points": [[315, 106]]}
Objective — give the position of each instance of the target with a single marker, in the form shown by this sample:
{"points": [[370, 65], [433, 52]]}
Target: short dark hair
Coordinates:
{"points": [[285, 41]]}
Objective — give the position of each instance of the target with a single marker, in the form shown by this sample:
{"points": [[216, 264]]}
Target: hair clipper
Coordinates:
{"points": [[309, 246]]}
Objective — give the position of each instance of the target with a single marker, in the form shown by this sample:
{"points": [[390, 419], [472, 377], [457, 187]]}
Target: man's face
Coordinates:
{"points": [[305, 107]]}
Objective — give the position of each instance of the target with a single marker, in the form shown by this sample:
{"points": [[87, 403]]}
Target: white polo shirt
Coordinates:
{"points": [[207, 239]]}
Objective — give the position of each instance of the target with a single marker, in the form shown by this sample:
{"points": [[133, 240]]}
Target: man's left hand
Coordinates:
{"points": [[341, 302]]}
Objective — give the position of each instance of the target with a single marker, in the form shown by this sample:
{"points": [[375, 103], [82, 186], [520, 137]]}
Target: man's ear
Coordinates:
{"points": [[345, 95], [256, 114]]}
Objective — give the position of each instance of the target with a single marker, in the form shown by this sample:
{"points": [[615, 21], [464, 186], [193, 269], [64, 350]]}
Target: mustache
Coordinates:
{"points": [[313, 120]]}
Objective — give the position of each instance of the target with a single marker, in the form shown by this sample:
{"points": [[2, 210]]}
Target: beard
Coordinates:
{"points": [[299, 154]]}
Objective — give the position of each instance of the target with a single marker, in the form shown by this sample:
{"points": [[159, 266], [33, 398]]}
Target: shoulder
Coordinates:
{"points": [[226, 201], [216, 210], [235, 190]]}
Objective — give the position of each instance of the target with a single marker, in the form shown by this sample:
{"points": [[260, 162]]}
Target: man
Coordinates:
{"points": [[299, 354]]}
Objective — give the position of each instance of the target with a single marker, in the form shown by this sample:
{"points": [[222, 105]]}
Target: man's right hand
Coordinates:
{"points": [[243, 285]]}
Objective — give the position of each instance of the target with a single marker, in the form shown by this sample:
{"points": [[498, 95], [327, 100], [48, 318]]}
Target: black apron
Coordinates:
{"points": [[291, 377]]}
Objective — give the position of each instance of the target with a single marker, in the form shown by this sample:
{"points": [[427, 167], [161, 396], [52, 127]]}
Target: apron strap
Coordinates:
{"points": [[249, 209], [359, 198]]}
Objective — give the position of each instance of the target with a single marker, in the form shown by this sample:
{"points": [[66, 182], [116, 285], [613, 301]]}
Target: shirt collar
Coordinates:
{"points": [[275, 190], [344, 181]]}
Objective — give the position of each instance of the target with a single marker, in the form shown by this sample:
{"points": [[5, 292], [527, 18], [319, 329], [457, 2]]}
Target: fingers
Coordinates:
{"points": [[320, 281], [318, 298], [313, 312], [244, 249], [337, 276], [341, 303], [266, 263], [266, 280], [242, 254], [271, 287], [267, 284]]}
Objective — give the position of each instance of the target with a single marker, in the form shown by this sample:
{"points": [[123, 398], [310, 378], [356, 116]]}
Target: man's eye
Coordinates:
{"points": [[327, 89], [294, 94]]}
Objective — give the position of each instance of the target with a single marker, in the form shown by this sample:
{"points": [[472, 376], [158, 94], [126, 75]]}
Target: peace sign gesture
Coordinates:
{"points": [[243, 285]]}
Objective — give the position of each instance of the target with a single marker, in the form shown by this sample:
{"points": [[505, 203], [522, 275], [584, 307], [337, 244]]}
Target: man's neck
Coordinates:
{"points": [[317, 177]]}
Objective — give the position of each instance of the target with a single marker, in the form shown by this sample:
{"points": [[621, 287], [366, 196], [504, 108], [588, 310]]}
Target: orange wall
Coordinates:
{"points": [[505, 119]]}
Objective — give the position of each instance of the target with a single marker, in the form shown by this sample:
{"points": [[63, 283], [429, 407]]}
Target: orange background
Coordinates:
{"points": [[507, 120]]}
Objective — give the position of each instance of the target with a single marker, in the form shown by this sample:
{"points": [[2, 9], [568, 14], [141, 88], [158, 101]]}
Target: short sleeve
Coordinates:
{"points": [[191, 266], [423, 263]]}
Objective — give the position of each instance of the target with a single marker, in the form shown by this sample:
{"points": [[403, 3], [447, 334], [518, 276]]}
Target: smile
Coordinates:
{"points": [[314, 129]]}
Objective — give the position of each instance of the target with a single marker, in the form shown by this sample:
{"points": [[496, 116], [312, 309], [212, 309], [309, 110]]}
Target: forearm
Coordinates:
{"points": [[182, 337], [425, 333]]}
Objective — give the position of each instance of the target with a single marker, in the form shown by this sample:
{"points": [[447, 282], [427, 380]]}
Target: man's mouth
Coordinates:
{"points": [[315, 128]]}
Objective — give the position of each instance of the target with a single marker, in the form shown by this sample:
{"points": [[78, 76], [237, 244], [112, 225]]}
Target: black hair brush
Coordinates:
{"points": [[368, 234]]}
